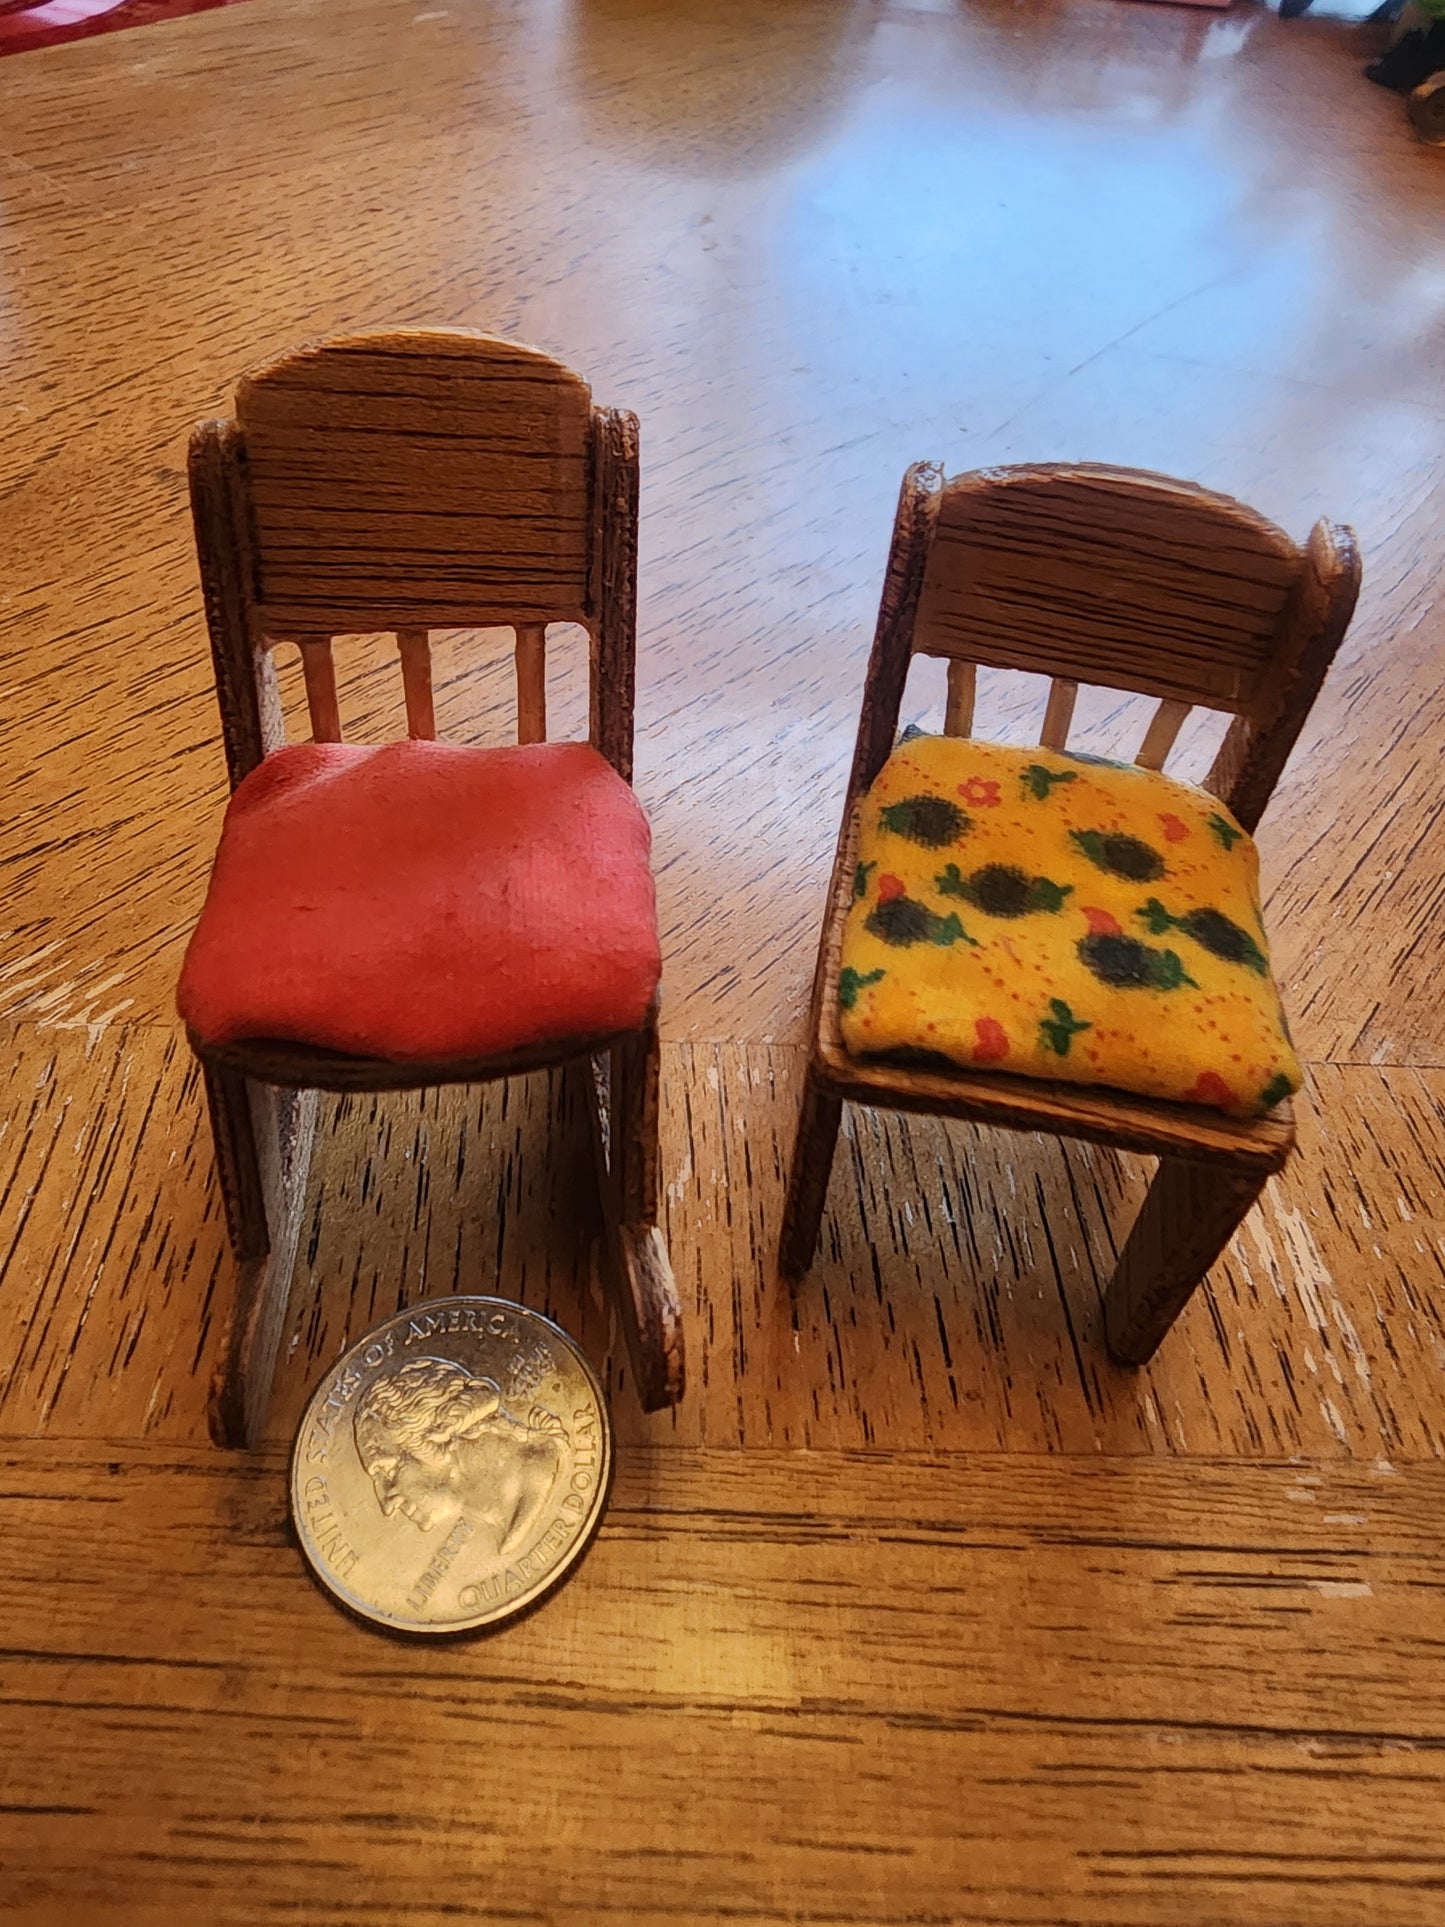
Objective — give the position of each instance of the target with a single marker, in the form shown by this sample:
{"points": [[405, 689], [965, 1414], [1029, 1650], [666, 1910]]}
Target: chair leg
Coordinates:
{"points": [[263, 1139], [1190, 1214], [624, 1088], [237, 1167], [813, 1148]]}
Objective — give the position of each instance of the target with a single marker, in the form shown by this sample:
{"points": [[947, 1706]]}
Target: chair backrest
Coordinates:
{"points": [[406, 482], [1118, 578]]}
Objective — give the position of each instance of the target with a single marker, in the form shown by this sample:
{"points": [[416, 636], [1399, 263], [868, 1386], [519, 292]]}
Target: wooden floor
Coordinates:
{"points": [[918, 1610]]}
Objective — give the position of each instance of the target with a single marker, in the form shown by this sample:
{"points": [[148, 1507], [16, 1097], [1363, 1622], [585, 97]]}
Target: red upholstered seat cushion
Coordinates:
{"points": [[422, 901]]}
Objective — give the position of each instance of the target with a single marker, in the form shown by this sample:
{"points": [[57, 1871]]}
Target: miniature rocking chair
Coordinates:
{"points": [[959, 863], [415, 914]]}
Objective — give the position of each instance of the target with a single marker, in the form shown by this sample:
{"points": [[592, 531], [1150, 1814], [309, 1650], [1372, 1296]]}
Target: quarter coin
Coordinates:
{"points": [[452, 1467]]}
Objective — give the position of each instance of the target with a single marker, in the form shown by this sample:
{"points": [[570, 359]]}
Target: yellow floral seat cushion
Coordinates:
{"points": [[1053, 915]]}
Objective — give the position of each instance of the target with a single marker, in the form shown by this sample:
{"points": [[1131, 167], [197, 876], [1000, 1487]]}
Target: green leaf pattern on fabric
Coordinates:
{"points": [[1118, 855], [1275, 1091], [1058, 1030], [931, 821], [851, 982], [1226, 832], [1000, 890], [1126, 964], [1220, 935], [1039, 780], [903, 921]]}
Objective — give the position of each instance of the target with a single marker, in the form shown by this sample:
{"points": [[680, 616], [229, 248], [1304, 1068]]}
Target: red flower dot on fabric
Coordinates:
{"points": [[992, 1045], [1209, 1088], [890, 887], [981, 791], [1174, 829], [1101, 922]]}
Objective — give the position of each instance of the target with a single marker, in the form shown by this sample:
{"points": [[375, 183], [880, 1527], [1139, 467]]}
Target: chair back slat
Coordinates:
{"points": [[415, 648], [1178, 593], [410, 481], [962, 689], [1106, 576], [1159, 738], [531, 682], [427, 479], [1059, 714], [319, 669]]}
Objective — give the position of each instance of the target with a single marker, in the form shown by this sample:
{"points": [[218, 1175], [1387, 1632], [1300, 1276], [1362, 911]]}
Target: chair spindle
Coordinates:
{"points": [[1167, 722], [531, 682], [416, 681], [962, 685], [1059, 714], [319, 670]]}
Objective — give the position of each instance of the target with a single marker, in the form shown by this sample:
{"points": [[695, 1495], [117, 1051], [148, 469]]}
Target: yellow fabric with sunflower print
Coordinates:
{"points": [[1054, 915]]}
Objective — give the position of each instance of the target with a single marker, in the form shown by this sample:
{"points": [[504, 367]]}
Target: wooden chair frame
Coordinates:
{"points": [[1134, 582], [403, 483]]}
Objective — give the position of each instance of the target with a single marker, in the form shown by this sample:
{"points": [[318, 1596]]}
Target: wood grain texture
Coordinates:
{"points": [[414, 648], [616, 489], [274, 1131], [962, 688], [1137, 582], [779, 1688], [532, 683], [956, 1303], [318, 669], [1190, 1213], [719, 243], [803, 241], [246, 689], [1164, 727], [1257, 746], [1127, 580], [621, 1096], [810, 1169], [278, 1060], [1059, 714], [417, 479]]}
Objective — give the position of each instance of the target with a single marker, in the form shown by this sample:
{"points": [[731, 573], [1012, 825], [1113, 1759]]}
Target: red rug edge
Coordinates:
{"points": [[54, 22]]}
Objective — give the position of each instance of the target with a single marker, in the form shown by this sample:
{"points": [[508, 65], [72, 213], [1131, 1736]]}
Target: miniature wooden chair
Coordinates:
{"points": [[1137, 583], [403, 483]]}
